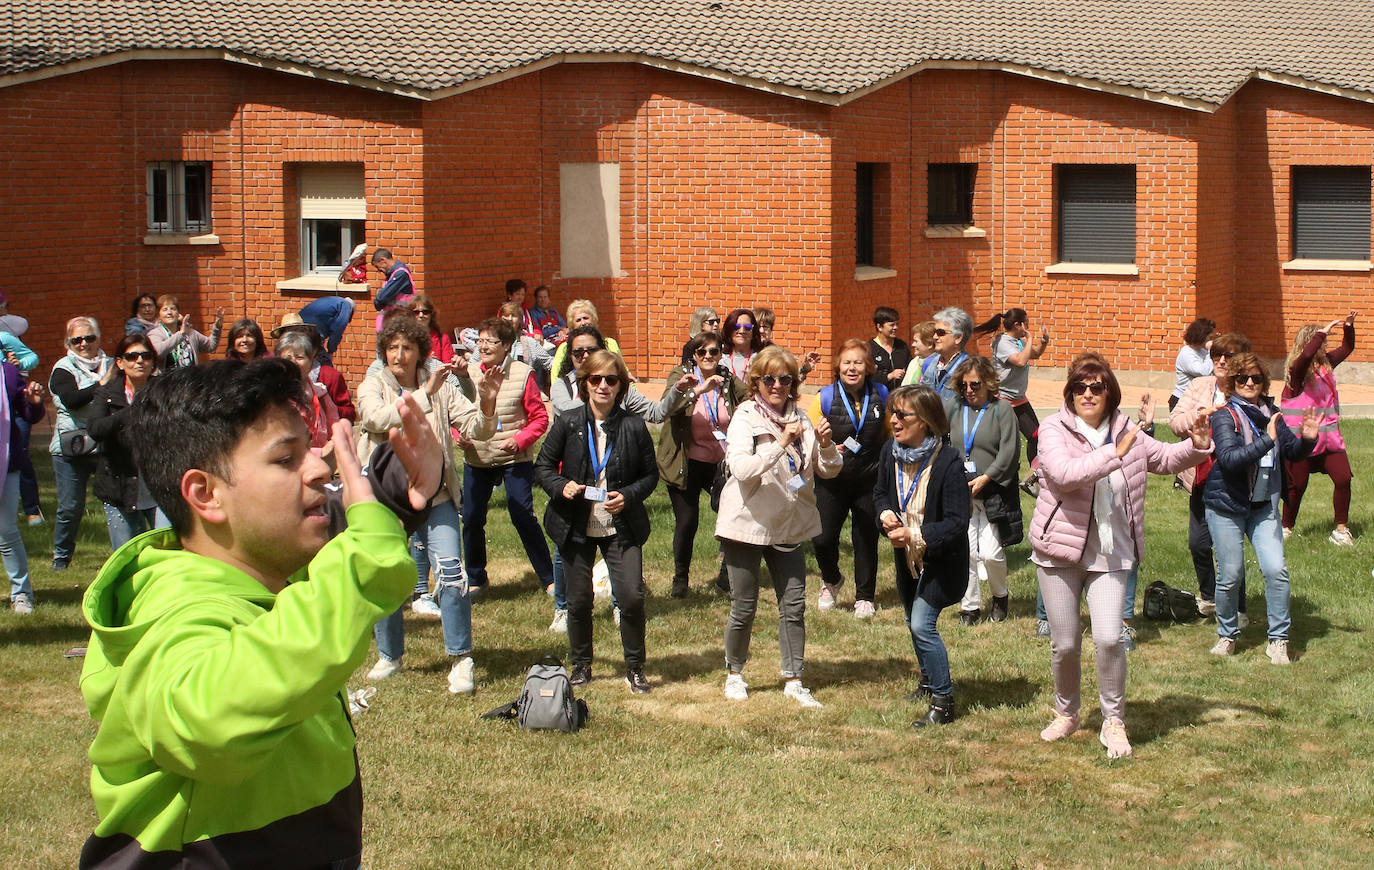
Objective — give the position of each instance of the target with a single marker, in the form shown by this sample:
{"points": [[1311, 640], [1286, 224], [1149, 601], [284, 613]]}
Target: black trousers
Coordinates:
{"points": [[1200, 546], [686, 514], [626, 564], [837, 500], [1029, 426]]}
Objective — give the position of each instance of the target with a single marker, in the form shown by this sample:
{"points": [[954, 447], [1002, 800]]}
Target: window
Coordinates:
{"points": [[1096, 213], [589, 220], [333, 215], [871, 214], [949, 196], [178, 196], [1331, 212]]}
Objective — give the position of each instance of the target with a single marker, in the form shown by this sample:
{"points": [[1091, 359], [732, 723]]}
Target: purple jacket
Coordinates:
{"points": [[1069, 468], [14, 389]]}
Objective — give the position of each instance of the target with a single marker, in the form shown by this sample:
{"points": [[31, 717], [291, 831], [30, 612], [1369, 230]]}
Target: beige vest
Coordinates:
{"points": [[510, 414]]}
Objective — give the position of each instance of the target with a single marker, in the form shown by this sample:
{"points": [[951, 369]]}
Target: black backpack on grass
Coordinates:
{"points": [[546, 701], [1165, 603]]}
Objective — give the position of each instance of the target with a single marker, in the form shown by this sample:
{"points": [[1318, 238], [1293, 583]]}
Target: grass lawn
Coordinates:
{"points": [[1238, 763]]}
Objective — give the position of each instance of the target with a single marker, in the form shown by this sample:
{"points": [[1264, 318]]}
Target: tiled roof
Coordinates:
{"points": [[1196, 52]]}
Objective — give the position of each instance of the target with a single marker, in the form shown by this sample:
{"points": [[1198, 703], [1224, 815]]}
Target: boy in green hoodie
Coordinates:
{"points": [[221, 647]]}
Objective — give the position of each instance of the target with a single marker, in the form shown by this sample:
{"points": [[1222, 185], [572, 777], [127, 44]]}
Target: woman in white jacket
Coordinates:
{"points": [[768, 510]]}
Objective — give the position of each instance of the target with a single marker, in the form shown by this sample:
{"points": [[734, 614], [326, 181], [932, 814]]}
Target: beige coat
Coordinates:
{"points": [[755, 505], [376, 401]]}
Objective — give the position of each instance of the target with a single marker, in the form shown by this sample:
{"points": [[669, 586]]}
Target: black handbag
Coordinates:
{"points": [[76, 443], [718, 483]]}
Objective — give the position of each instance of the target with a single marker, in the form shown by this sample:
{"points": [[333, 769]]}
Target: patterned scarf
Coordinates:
{"points": [[915, 455]]}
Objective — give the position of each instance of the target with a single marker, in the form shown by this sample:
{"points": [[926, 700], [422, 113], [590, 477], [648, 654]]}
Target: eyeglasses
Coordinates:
{"points": [[579, 352], [1097, 388], [137, 355], [1248, 378], [488, 342], [770, 381], [971, 386], [941, 333], [608, 380], [82, 339], [901, 415], [745, 327], [708, 352]]}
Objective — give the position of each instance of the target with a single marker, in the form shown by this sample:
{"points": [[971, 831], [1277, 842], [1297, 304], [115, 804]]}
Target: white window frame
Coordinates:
{"points": [[346, 243]]}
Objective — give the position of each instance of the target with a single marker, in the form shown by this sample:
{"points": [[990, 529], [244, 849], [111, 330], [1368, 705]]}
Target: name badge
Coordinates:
{"points": [[970, 467], [594, 493], [852, 444], [795, 483], [719, 435], [1267, 460]]}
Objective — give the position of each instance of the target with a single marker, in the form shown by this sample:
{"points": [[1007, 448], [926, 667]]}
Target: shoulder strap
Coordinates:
{"points": [[882, 391], [827, 398]]}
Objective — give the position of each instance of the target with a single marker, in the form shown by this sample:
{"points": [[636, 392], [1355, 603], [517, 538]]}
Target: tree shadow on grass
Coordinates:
{"points": [[990, 693], [1151, 720]]}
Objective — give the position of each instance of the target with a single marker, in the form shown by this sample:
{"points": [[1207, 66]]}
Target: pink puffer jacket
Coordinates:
{"points": [[1069, 468]]}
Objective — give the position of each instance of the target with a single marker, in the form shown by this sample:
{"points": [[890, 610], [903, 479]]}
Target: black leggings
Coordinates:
{"points": [[1029, 424], [686, 511], [836, 500]]}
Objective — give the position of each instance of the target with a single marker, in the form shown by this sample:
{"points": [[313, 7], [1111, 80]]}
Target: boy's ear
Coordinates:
{"points": [[201, 491]]}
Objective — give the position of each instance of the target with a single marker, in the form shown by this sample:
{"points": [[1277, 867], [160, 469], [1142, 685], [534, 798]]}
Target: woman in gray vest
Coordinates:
{"points": [[73, 384]]}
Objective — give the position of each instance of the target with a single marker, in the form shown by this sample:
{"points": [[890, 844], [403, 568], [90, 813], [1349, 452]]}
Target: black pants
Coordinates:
{"points": [[626, 564], [837, 500], [686, 512], [1200, 546], [1029, 424]]}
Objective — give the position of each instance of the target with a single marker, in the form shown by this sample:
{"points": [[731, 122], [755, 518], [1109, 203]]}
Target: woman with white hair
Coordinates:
{"points": [[73, 384], [953, 328]]}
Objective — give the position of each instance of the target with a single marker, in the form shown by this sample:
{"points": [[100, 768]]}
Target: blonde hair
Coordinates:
{"points": [[594, 363], [767, 362], [582, 305], [1300, 340]]}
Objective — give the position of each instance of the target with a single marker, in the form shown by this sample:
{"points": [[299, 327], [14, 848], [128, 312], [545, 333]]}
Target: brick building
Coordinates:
{"points": [[1115, 168]]}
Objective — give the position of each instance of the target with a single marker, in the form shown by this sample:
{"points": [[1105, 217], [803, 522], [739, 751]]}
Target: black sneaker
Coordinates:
{"points": [[679, 588], [999, 608], [581, 675], [639, 685], [59, 564], [969, 617]]}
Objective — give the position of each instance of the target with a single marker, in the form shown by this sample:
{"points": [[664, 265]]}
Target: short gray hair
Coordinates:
{"points": [[71, 324], [295, 339], [958, 320]]}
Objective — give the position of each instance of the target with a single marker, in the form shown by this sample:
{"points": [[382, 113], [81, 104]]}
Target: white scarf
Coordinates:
{"points": [[1102, 489]]}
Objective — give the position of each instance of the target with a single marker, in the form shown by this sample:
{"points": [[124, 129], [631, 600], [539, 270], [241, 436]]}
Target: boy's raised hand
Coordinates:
{"points": [[419, 450], [356, 488]]}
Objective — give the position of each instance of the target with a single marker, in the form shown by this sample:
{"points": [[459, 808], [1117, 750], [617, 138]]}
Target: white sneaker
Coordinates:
{"points": [[560, 622], [615, 615], [384, 668], [1225, 646], [1242, 620], [1277, 650], [802, 695], [1342, 538], [826, 600], [424, 606], [736, 689], [22, 604], [1206, 608], [460, 680], [864, 610]]}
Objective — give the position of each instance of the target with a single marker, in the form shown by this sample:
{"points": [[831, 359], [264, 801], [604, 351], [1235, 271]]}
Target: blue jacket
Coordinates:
{"points": [[398, 285], [1232, 478]]}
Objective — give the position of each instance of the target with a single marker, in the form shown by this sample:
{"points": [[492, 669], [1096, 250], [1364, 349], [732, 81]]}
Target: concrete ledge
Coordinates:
{"points": [[181, 239], [954, 231], [1328, 266], [323, 284], [1110, 269], [873, 273]]}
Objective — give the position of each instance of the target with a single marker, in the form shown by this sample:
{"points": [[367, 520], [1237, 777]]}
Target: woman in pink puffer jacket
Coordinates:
{"points": [[1088, 533]]}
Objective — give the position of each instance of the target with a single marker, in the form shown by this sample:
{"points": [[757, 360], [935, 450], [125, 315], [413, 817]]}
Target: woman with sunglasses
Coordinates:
{"points": [[597, 465], [246, 342], [768, 510], [1204, 394], [1242, 493], [1088, 534], [129, 508], [693, 444], [923, 505], [581, 312], [1310, 382], [982, 429], [704, 319], [741, 342], [853, 406], [953, 329], [73, 383], [423, 309]]}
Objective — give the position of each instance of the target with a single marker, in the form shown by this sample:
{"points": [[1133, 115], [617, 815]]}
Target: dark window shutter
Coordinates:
{"points": [[863, 214], [949, 198], [1097, 214], [1331, 212]]}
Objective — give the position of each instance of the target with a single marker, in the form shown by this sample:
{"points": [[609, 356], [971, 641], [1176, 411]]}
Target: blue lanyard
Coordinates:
{"points": [[905, 500], [949, 370], [713, 404], [598, 462], [968, 436], [1240, 412], [848, 409]]}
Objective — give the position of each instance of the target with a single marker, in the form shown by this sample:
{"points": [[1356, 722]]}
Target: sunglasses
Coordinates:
{"points": [[708, 352], [82, 339], [424, 312], [745, 327], [1221, 355], [770, 381], [1097, 388], [971, 386], [579, 352], [941, 333], [711, 320], [901, 415], [137, 355], [1242, 380], [608, 380]]}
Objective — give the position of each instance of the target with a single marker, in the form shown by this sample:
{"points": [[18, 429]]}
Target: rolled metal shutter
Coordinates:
{"points": [[1096, 214], [1331, 212]]}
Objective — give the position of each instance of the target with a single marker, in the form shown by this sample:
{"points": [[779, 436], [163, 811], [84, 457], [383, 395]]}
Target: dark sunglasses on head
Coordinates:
{"points": [[82, 339], [771, 380], [608, 380], [1248, 378], [708, 351], [973, 386], [1097, 388], [136, 355], [941, 333], [582, 351]]}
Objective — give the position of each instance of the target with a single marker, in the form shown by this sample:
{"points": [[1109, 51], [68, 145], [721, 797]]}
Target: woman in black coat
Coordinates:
{"points": [[922, 501], [597, 465], [129, 507]]}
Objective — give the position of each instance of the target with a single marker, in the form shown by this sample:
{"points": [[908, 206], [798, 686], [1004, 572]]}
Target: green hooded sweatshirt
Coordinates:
{"points": [[224, 734]]}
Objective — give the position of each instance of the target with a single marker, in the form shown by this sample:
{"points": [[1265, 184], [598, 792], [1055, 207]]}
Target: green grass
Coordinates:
{"points": [[1237, 762]]}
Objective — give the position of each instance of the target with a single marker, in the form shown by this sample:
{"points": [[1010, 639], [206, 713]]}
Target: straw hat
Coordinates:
{"points": [[292, 322]]}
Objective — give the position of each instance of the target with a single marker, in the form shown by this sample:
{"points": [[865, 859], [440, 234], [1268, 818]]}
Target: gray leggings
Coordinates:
{"points": [[788, 570], [1106, 594]]}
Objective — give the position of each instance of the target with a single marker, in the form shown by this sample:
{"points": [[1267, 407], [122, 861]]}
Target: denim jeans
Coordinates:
{"points": [[1261, 525], [28, 478], [921, 619], [478, 484], [419, 552], [125, 525], [72, 476], [443, 543], [16, 558]]}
